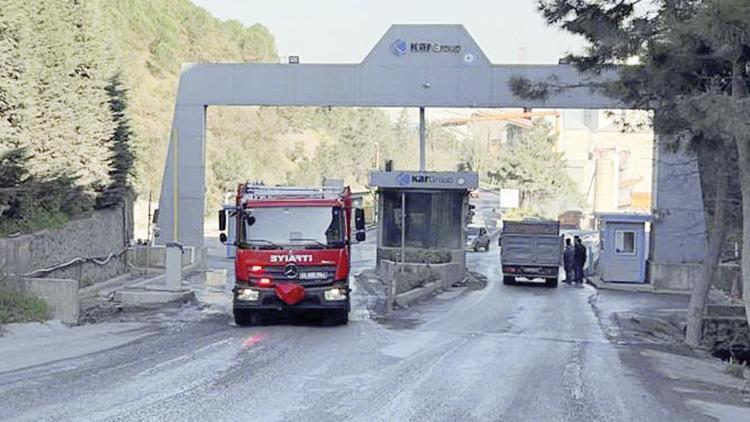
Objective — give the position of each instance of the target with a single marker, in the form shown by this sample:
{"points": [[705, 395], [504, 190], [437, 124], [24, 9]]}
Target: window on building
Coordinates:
{"points": [[432, 219], [625, 242]]}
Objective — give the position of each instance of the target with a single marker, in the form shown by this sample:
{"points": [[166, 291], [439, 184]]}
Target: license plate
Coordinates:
{"points": [[312, 275], [532, 270]]}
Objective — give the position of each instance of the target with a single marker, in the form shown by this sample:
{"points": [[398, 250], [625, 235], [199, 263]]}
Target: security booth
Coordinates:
{"points": [[624, 247], [422, 220]]}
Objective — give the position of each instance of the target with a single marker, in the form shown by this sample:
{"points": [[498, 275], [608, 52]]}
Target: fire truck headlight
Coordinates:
{"points": [[335, 294], [248, 295]]}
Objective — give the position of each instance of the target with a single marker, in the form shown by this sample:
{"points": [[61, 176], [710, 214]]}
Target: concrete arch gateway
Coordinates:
{"points": [[411, 66]]}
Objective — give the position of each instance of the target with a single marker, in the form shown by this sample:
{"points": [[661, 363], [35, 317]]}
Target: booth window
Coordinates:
{"points": [[625, 242], [432, 219]]}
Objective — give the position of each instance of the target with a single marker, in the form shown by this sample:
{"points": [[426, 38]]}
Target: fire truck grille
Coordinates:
{"points": [[313, 274]]}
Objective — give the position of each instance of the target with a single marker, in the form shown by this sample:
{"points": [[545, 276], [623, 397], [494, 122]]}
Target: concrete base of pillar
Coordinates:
{"points": [[415, 295], [675, 277]]}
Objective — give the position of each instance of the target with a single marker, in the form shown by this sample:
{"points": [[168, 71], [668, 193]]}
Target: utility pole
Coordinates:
{"points": [[421, 140]]}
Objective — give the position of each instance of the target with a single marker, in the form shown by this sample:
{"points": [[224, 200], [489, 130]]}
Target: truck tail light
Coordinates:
{"points": [[509, 270]]}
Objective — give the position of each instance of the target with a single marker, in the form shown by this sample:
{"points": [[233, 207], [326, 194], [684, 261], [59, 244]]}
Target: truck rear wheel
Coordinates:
{"points": [[552, 282], [509, 280]]}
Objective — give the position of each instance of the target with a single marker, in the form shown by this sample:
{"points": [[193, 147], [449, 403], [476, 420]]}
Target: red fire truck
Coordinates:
{"points": [[293, 250]]}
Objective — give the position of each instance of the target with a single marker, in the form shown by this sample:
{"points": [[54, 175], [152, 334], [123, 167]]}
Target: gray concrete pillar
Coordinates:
{"points": [[181, 204], [678, 234]]}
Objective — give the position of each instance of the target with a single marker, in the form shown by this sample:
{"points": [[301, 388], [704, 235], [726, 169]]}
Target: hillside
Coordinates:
{"points": [[150, 41], [87, 86]]}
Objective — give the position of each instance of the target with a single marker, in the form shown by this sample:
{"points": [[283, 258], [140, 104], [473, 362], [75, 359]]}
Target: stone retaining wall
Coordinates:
{"points": [[98, 235], [726, 331], [415, 276]]}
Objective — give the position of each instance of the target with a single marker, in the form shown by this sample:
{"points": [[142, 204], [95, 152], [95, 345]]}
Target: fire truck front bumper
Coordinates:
{"points": [[316, 298]]}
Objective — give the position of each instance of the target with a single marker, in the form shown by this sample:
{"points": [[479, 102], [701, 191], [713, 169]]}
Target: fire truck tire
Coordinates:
{"points": [[552, 282], [509, 280], [242, 317], [338, 317]]}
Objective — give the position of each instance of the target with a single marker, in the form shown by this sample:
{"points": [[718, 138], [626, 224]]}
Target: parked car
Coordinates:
{"points": [[477, 238]]}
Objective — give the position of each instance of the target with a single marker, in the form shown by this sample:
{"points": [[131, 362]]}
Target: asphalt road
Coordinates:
{"points": [[505, 353]]}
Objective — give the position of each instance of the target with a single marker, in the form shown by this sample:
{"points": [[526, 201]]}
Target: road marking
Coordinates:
{"points": [[253, 340]]}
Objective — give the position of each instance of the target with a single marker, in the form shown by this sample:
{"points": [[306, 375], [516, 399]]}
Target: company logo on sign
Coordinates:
{"points": [[403, 179], [399, 48], [426, 47], [291, 258], [432, 179]]}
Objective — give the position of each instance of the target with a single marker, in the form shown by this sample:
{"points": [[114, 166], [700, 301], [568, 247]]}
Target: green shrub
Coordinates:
{"points": [[15, 307]]}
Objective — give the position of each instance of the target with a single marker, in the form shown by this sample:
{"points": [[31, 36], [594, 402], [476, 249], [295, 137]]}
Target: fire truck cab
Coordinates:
{"points": [[293, 251]]}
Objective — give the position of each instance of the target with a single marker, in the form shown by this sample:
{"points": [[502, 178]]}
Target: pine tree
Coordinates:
{"points": [[11, 72], [69, 122], [121, 146], [94, 125], [533, 166], [693, 57]]}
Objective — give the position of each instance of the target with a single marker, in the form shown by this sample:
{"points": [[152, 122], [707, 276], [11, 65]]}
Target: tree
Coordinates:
{"points": [[68, 122], [691, 70], [534, 167], [349, 149], [12, 107], [121, 146], [27, 203]]}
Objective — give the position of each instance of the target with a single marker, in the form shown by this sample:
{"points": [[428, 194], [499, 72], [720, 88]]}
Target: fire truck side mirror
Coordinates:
{"points": [[222, 220], [223, 237], [360, 236], [359, 219]]}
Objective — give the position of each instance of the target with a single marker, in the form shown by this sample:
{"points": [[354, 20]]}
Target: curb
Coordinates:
{"points": [[414, 295], [186, 271], [92, 290], [632, 288]]}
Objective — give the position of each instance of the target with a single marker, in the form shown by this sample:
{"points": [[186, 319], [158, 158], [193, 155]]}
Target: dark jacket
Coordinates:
{"points": [[580, 254], [569, 257]]}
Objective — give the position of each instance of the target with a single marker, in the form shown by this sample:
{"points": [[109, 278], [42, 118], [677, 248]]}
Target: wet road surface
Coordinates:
{"points": [[505, 353]]}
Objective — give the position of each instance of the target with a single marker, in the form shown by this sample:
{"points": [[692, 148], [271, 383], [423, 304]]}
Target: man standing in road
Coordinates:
{"points": [[580, 255], [569, 261]]}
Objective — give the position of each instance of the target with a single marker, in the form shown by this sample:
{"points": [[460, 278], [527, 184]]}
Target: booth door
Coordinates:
{"points": [[624, 253]]}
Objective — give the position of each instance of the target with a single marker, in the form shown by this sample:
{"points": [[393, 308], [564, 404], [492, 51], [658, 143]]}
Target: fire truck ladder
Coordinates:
{"points": [[311, 192]]}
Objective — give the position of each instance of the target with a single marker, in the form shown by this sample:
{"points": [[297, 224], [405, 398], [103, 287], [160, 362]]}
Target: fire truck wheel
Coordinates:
{"points": [[244, 317], [552, 282], [337, 317], [509, 280], [241, 317]]}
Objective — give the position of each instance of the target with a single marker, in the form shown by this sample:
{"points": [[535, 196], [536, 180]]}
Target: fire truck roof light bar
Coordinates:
{"points": [[260, 192]]}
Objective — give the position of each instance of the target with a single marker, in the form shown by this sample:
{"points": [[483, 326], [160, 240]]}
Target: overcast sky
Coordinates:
{"points": [[344, 31]]}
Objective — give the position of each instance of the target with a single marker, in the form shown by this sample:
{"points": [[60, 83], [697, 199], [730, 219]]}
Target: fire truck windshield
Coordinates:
{"points": [[293, 227]]}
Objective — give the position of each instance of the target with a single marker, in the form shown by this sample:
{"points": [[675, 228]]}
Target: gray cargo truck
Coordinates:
{"points": [[531, 250]]}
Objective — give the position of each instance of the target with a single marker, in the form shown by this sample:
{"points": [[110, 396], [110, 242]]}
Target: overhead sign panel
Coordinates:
{"points": [[410, 45], [424, 180]]}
